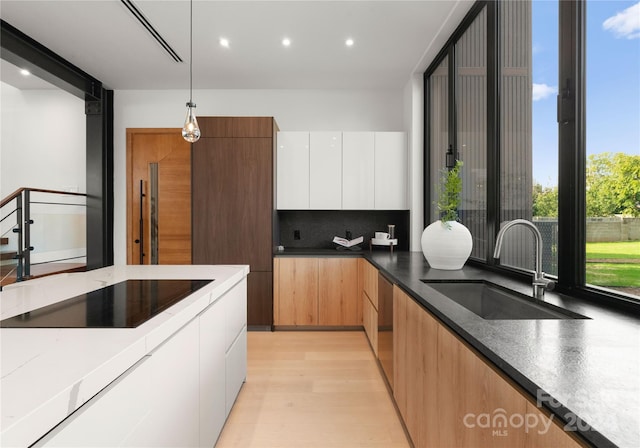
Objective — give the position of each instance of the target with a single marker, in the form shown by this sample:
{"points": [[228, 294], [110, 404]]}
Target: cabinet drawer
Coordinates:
{"points": [[370, 283], [236, 369], [235, 311], [370, 322], [86, 426]]}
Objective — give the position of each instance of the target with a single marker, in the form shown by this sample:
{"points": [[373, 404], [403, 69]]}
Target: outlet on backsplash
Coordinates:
{"points": [[296, 234]]}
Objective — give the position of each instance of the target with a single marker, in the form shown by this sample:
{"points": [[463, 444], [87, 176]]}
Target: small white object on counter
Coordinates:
{"points": [[384, 242]]}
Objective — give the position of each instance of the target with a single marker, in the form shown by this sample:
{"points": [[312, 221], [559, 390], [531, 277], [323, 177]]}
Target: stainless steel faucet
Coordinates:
{"points": [[540, 284]]}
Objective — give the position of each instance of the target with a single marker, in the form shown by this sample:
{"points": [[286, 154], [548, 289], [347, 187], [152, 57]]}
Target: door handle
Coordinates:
{"points": [[141, 239]]}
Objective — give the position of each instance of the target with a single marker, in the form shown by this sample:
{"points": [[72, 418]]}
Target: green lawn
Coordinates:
{"points": [[616, 250], [614, 274]]}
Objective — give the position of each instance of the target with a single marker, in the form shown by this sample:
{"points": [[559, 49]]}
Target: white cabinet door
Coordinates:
{"points": [[292, 170], [235, 310], [212, 373], [153, 404], [325, 170], [357, 170], [104, 421], [235, 305], [175, 410], [236, 369], [391, 171]]}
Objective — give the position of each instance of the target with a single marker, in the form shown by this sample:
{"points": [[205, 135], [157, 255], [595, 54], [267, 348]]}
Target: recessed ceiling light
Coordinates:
{"points": [[286, 41], [349, 42], [224, 42], [25, 72]]}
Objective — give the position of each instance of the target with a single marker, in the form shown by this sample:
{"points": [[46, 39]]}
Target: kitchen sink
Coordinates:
{"points": [[494, 302]]}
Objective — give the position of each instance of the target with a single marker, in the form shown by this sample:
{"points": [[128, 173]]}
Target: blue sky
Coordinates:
{"points": [[613, 82]]}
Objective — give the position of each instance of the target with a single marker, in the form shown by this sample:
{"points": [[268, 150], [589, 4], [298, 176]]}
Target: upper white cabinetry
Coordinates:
{"points": [[292, 167], [348, 171], [390, 170], [325, 170], [358, 157]]}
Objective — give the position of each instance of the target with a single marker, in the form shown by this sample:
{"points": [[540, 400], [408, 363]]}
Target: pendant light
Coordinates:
{"points": [[191, 131]]}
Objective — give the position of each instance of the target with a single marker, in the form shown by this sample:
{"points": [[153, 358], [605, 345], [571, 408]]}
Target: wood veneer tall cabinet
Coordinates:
{"points": [[232, 203]]}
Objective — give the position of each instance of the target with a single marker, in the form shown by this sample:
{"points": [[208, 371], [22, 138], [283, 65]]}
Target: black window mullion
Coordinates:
{"points": [[571, 147], [426, 169], [493, 130], [453, 110]]}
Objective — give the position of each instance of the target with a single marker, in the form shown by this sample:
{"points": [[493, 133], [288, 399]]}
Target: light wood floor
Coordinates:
{"points": [[312, 389]]}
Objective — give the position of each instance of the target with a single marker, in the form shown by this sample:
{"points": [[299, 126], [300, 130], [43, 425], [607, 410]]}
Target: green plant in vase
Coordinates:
{"points": [[447, 243], [449, 191]]}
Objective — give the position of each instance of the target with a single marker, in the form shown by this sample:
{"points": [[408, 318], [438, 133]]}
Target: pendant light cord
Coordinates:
{"points": [[191, 51]]}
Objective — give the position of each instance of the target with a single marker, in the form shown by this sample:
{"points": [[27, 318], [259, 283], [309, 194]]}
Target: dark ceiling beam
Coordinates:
{"points": [[24, 52]]}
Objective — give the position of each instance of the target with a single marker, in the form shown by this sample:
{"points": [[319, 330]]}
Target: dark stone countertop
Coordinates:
{"points": [[363, 251], [590, 368]]}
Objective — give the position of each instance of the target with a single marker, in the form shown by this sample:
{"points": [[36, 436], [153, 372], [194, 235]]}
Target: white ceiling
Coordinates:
{"points": [[393, 39]]}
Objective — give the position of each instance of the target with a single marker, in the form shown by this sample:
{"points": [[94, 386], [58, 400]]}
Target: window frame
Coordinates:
{"points": [[571, 148]]}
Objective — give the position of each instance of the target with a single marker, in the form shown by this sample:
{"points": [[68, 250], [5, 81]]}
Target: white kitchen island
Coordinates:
{"points": [[171, 381]]}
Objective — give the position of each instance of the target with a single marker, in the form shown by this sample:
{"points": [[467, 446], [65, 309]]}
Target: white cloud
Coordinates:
{"points": [[542, 91], [625, 24]]}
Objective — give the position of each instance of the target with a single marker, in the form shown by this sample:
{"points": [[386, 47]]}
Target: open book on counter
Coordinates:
{"points": [[347, 243]]}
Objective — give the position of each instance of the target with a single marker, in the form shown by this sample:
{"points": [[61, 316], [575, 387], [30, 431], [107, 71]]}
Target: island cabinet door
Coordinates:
{"points": [[212, 373], [105, 420], [154, 403], [235, 346], [175, 402]]}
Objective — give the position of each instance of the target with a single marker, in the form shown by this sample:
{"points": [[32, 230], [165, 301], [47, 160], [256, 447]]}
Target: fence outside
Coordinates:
{"points": [[613, 229]]}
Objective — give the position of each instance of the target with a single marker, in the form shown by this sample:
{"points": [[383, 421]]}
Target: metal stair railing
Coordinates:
{"points": [[18, 230]]}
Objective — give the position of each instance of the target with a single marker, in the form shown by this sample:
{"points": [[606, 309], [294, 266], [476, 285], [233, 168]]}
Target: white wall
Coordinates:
{"points": [[43, 145], [42, 140], [293, 110]]}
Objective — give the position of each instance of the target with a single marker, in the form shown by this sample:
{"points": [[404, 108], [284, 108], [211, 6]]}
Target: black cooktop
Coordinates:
{"points": [[123, 305]]}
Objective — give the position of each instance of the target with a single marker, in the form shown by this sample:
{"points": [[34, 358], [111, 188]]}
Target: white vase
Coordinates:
{"points": [[446, 246]]}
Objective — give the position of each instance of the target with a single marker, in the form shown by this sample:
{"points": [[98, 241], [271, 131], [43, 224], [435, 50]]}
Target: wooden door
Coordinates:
{"points": [[172, 154]]}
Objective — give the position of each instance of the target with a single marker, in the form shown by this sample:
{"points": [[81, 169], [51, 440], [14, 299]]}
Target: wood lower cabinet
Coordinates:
{"points": [[296, 300], [316, 291], [449, 396], [370, 322], [370, 282], [370, 303], [338, 292]]}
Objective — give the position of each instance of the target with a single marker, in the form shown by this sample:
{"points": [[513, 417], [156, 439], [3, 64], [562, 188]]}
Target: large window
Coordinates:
{"points": [[613, 145], [542, 96], [471, 128]]}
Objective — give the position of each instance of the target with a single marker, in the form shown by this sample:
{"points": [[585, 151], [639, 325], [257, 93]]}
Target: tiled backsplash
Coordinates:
{"points": [[318, 227]]}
